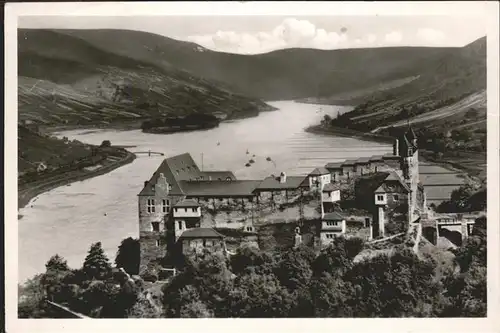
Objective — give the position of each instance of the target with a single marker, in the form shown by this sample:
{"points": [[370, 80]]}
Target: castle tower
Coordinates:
{"points": [[408, 150], [154, 210]]}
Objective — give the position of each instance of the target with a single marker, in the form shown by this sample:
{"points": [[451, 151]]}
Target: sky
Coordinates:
{"points": [[260, 34]]}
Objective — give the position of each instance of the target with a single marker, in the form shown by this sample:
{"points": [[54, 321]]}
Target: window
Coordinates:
{"points": [[204, 242], [156, 226], [194, 210], [165, 205], [158, 243], [151, 205], [380, 197], [179, 224], [185, 210], [396, 197]]}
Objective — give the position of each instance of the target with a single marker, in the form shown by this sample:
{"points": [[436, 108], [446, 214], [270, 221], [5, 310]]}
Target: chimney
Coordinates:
{"points": [[395, 147], [283, 178]]}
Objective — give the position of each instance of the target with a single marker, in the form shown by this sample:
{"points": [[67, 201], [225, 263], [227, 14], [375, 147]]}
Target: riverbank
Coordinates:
{"points": [[345, 132], [134, 124], [28, 191]]}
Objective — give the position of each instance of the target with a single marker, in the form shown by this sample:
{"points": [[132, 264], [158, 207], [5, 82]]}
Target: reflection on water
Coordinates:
{"points": [[68, 219]]}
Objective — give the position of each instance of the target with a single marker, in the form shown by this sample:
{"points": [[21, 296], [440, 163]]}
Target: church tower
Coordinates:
{"points": [[408, 151]]}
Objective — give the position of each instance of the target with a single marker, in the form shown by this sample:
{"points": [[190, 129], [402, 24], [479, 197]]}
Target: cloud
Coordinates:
{"points": [[291, 33], [371, 38], [394, 37], [430, 35]]}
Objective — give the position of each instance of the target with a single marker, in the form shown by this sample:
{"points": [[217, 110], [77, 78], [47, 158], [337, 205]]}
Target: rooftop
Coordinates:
{"points": [[201, 233], [333, 216], [336, 165], [218, 175], [330, 187], [348, 162], [390, 157], [187, 203], [387, 185], [363, 160], [216, 188], [376, 158], [273, 183], [319, 172]]}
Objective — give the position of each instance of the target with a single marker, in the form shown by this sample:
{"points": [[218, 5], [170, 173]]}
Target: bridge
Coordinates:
{"points": [[149, 153], [455, 227]]}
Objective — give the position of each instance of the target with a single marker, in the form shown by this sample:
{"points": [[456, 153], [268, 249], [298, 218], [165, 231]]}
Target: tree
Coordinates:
{"points": [[338, 257], [294, 269], [129, 255], [96, 264], [106, 144], [57, 263], [259, 296], [467, 290], [196, 309], [392, 285]]}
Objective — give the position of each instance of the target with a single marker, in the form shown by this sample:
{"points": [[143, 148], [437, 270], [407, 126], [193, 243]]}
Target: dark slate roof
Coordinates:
{"points": [[165, 169], [330, 187], [183, 167], [348, 163], [390, 157], [235, 188], [363, 160], [187, 203], [333, 216], [337, 165], [273, 183], [387, 184], [201, 233], [319, 172], [218, 175], [376, 158]]}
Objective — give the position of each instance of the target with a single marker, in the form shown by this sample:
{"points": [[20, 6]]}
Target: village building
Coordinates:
{"points": [[330, 194], [318, 178], [332, 225], [391, 202], [281, 189], [198, 239], [348, 170], [362, 166], [335, 170]]}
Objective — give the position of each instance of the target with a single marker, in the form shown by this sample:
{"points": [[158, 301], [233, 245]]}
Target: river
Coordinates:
{"points": [[68, 219]]}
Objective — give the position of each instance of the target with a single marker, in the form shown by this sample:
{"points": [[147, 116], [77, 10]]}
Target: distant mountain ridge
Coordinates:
{"points": [[277, 75], [66, 80]]}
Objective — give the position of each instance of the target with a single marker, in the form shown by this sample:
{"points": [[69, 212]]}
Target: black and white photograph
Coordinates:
{"points": [[279, 165]]}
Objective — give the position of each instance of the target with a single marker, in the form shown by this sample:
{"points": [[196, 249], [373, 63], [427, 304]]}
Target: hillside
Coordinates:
{"points": [[450, 85], [446, 105], [278, 75], [66, 80]]}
